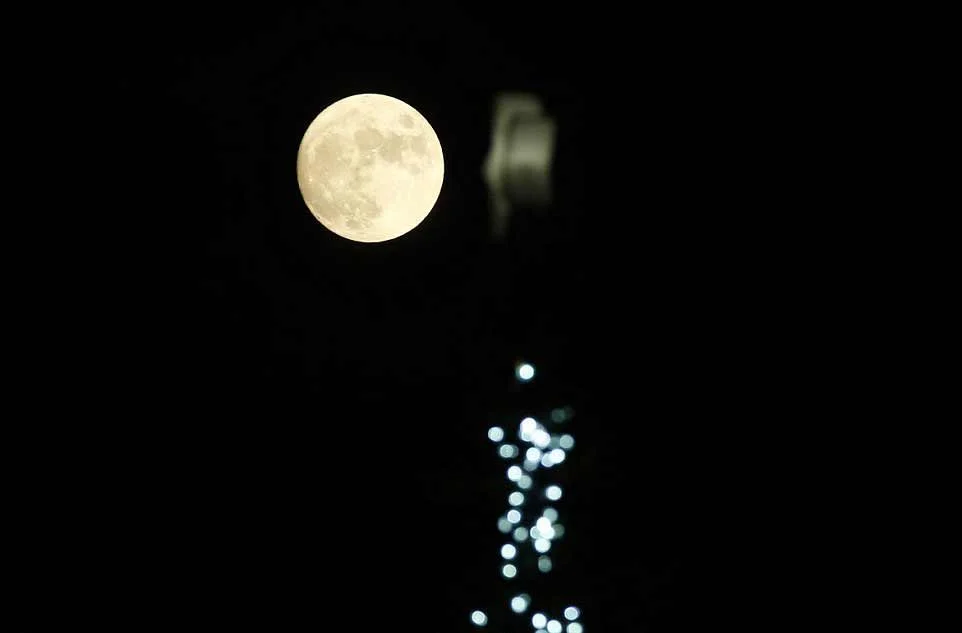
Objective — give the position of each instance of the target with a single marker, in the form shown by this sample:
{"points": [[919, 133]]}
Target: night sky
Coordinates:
{"points": [[291, 428]]}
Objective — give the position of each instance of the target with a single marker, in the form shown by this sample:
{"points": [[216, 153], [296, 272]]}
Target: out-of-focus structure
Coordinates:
{"points": [[517, 169]]}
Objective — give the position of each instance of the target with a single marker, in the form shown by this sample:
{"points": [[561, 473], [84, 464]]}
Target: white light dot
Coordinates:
{"points": [[525, 482], [558, 455], [509, 571], [544, 564], [520, 534], [553, 492], [520, 603], [543, 523], [535, 532], [479, 618], [528, 425], [515, 498], [554, 626], [542, 545], [566, 442], [514, 473], [550, 513], [507, 451], [548, 533], [540, 438], [525, 372], [532, 454], [530, 465], [508, 551], [504, 525], [495, 434], [539, 621], [559, 530], [572, 613], [514, 516], [546, 460], [574, 627]]}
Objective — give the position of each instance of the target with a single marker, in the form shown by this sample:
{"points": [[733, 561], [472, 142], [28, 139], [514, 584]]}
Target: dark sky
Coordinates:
{"points": [[291, 427]]}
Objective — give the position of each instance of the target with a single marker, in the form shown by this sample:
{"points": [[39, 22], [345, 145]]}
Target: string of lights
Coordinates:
{"points": [[534, 533]]}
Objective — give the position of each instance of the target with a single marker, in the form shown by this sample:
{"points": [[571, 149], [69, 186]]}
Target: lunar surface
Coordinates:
{"points": [[370, 168]]}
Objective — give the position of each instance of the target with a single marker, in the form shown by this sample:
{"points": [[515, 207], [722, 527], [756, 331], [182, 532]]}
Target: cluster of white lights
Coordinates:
{"points": [[546, 450], [541, 622]]}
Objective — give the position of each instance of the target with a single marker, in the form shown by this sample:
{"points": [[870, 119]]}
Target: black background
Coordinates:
{"points": [[271, 425]]}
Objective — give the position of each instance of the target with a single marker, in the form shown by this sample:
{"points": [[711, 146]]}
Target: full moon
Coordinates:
{"points": [[370, 168]]}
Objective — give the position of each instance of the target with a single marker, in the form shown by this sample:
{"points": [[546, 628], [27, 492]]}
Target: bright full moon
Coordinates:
{"points": [[370, 167]]}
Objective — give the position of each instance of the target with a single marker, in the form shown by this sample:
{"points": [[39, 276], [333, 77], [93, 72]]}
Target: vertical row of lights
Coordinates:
{"points": [[529, 532]]}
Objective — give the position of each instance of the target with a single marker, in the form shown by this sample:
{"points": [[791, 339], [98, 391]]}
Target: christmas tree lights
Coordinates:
{"points": [[534, 534]]}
